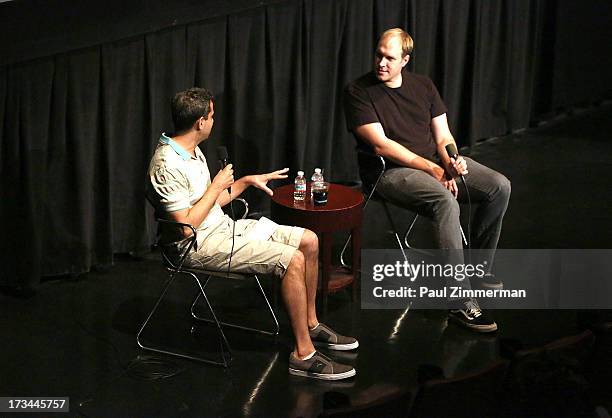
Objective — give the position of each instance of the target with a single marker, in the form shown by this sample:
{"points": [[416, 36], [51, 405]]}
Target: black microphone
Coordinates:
{"points": [[451, 150], [222, 154], [224, 160]]}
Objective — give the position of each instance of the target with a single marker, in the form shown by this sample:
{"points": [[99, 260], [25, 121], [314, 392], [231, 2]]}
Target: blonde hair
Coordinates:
{"points": [[405, 39]]}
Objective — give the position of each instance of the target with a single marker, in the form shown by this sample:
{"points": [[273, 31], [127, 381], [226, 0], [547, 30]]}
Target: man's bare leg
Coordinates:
{"points": [[309, 246], [294, 292]]}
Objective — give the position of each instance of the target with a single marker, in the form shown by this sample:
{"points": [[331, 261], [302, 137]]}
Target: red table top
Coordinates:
{"points": [[342, 211]]}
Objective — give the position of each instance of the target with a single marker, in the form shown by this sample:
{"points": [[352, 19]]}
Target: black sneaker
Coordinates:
{"points": [[319, 366], [324, 336], [472, 317], [489, 281]]}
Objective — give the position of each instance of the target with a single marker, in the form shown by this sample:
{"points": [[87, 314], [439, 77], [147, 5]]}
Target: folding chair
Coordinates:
{"points": [[177, 268], [371, 169]]}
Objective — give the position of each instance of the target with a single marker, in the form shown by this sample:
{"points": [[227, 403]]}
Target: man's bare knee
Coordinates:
{"points": [[310, 242]]}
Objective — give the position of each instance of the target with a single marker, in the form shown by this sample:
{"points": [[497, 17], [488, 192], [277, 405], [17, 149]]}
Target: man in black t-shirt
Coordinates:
{"points": [[400, 116]]}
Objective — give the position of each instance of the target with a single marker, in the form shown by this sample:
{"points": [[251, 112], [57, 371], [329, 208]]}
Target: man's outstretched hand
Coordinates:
{"points": [[261, 180]]}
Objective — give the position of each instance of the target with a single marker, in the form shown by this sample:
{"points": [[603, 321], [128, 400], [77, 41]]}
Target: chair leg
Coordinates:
{"points": [[275, 331], [225, 362], [407, 234], [463, 236], [409, 230], [272, 314], [369, 197], [397, 238], [342, 262]]}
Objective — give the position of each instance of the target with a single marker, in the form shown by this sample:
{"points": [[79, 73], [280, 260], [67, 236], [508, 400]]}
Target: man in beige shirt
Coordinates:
{"points": [[180, 187]]}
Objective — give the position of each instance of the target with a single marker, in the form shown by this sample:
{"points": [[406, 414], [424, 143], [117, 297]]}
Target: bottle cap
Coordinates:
{"points": [[300, 173], [318, 170]]}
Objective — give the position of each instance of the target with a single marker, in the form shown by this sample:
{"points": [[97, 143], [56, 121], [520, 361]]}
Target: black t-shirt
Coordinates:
{"points": [[404, 112]]}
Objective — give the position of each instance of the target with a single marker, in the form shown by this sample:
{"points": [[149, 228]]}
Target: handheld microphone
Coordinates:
{"points": [[223, 160], [451, 150], [222, 154]]}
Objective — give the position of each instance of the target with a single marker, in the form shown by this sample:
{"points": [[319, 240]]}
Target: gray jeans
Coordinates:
{"points": [[421, 193]]}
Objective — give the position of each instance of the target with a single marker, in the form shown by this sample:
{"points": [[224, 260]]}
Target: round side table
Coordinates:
{"points": [[343, 212]]}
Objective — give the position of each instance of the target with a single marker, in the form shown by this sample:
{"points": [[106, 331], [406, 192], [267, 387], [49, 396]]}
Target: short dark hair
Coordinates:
{"points": [[190, 105]]}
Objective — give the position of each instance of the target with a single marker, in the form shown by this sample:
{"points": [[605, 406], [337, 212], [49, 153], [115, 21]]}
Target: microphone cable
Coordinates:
{"points": [[231, 203], [468, 238], [451, 150], [223, 159]]}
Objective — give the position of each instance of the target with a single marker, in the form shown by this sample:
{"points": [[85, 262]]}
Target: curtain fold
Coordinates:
{"points": [[78, 127]]}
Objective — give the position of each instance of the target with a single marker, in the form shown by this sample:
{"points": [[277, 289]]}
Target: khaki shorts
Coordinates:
{"points": [[271, 256]]}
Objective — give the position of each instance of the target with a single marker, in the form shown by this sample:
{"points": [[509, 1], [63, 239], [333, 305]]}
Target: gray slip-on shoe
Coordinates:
{"points": [[321, 367], [324, 336]]}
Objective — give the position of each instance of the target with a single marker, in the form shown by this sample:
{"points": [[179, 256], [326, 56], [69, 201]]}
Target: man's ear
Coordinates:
{"points": [[197, 125], [405, 60]]}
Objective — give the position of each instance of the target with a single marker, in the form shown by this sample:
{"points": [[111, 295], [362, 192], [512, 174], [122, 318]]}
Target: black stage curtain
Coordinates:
{"points": [[78, 126]]}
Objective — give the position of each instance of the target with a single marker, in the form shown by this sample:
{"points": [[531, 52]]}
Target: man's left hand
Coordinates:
{"points": [[451, 186], [261, 180]]}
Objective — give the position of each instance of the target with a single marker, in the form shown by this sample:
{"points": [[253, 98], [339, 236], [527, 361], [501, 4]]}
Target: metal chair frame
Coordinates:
{"points": [[178, 268], [402, 244]]}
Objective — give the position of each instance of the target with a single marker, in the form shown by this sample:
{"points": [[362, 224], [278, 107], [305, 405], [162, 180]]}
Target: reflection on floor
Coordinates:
{"points": [[77, 337]]}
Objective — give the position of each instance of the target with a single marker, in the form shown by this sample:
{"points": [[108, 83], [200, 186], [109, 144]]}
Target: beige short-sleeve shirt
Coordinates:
{"points": [[177, 180]]}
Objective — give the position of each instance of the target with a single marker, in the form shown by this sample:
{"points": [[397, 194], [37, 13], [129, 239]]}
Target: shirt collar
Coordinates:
{"points": [[164, 139]]}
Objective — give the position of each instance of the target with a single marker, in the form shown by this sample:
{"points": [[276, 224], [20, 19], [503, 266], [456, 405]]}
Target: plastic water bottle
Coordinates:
{"points": [[318, 189], [299, 193], [317, 179]]}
